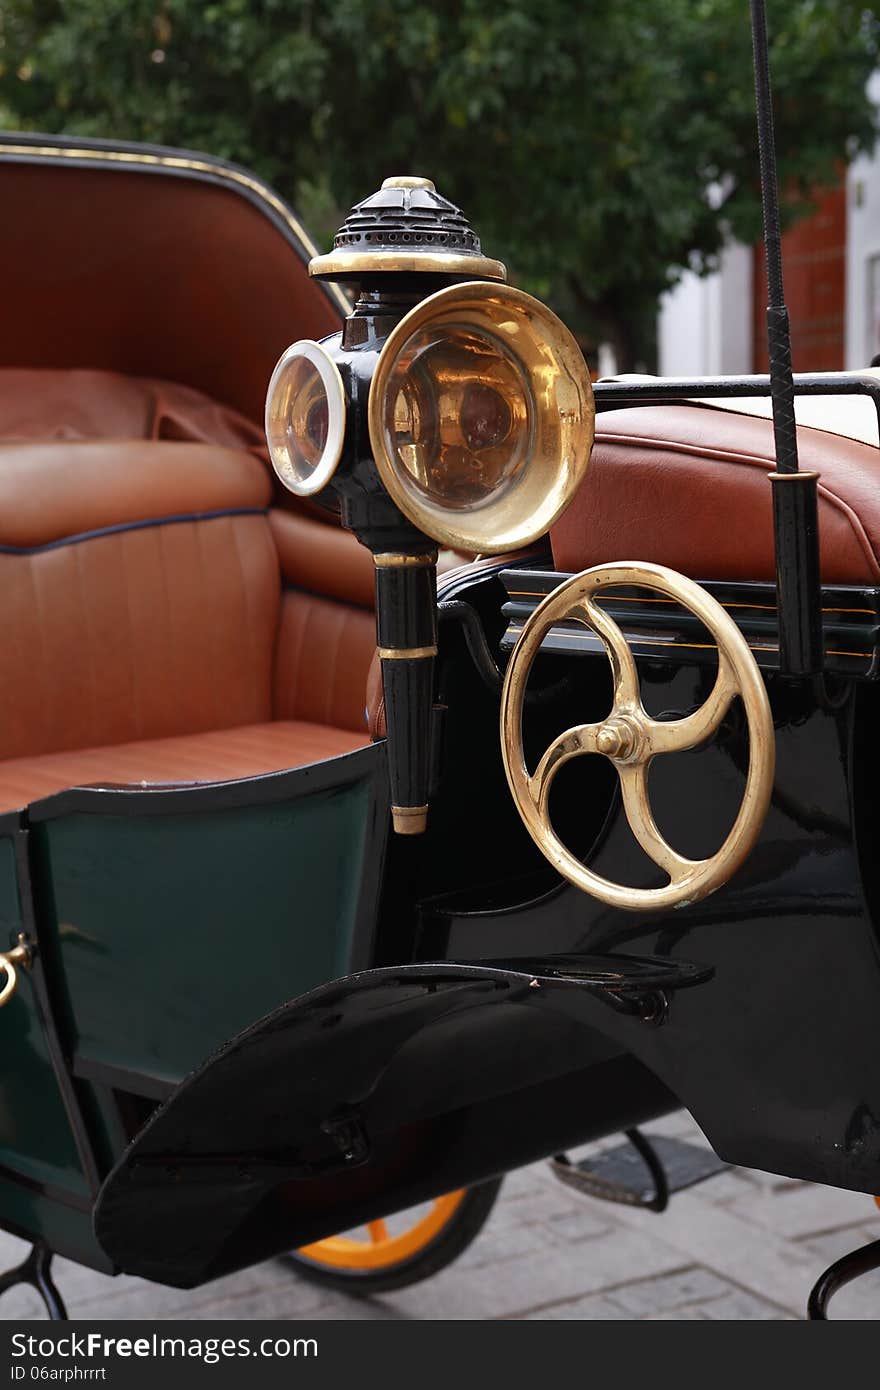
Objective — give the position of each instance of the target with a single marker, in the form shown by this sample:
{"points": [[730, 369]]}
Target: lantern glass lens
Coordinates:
{"points": [[458, 414], [305, 418]]}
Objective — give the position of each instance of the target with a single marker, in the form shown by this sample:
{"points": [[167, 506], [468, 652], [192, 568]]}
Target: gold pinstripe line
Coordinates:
{"points": [[758, 607], [689, 646]]}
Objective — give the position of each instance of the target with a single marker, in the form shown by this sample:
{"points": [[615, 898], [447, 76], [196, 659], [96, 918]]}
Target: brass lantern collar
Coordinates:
{"points": [[406, 227]]}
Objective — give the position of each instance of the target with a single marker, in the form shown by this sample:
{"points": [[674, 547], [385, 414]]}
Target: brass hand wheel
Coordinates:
{"points": [[630, 738]]}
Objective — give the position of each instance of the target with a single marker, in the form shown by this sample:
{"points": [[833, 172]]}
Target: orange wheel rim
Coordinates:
{"points": [[380, 1248]]}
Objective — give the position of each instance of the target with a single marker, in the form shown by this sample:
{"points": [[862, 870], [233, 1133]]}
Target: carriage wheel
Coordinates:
{"points": [[402, 1249]]}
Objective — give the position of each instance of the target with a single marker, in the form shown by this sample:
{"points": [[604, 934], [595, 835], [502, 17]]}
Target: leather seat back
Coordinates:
{"points": [[145, 592], [327, 633], [140, 592], [686, 486]]}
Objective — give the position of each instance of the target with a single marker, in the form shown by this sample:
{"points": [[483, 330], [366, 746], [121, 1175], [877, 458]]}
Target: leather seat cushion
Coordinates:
{"points": [[218, 755], [687, 487]]}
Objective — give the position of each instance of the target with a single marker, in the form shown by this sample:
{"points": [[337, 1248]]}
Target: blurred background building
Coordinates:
{"points": [[832, 285]]}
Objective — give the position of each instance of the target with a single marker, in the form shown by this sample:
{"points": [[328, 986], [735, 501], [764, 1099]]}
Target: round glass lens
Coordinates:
{"points": [[298, 425], [458, 415]]}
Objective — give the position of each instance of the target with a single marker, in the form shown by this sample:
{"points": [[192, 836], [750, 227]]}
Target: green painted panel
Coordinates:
{"points": [[35, 1137], [66, 1230], [10, 911], [176, 931]]}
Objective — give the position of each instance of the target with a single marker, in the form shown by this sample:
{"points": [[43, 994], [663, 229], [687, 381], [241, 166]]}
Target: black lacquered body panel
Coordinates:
{"points": [[508, 1016], [657, 626], [776, 1056]]}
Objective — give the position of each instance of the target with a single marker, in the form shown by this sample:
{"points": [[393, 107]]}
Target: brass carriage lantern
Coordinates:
{"points": [[451, 409]]}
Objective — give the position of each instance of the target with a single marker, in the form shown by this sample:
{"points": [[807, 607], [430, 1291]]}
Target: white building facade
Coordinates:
{"points": [[705, 324]]}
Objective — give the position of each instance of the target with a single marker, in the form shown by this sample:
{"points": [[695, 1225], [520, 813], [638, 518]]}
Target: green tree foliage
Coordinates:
{"points": [[597, 147]]}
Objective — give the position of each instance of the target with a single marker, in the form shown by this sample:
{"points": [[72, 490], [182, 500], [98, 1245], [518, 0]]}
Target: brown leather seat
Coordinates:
{"points": [[159, 621], [686, 486], [48, 403], [219, 755]]}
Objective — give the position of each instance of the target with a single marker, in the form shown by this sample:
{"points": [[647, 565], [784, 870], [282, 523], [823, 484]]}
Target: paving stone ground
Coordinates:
{"points": [[743, 1245]]}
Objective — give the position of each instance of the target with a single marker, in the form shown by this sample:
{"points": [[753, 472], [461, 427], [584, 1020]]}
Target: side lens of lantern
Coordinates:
{"points": [[305, 418], [457, 415]]}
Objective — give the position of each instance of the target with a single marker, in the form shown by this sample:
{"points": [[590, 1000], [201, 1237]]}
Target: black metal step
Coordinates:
{"points": [[641, 1172]]}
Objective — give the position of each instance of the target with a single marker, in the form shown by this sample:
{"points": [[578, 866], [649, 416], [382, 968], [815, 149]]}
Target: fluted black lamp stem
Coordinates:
{"points": [[406, 616]]}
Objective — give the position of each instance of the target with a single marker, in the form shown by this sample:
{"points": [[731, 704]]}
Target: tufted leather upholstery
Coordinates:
{"points": [[687, 487], [158, 621]]}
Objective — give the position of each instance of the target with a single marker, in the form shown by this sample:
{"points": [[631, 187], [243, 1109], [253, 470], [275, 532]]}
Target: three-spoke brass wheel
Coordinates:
{"points": [[402, 1249], [631, 739]]}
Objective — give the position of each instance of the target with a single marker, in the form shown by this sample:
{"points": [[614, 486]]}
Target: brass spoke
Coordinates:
{"points": [[571, 744], [677, 735], [378, 1231], [623, 665], [634, 790]]}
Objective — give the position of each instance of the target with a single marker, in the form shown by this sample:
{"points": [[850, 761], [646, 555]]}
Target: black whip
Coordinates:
{"points": [[795, 502]]}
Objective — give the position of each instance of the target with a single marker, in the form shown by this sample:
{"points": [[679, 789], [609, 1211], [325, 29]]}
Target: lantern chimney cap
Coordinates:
{"points": [[406, 227], [408, 181]]}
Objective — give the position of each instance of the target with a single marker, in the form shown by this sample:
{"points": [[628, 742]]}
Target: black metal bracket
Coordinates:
{"points": [[852, 1266], [36, 1270], [350, 1137], [487, 668], [614, 395]]}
